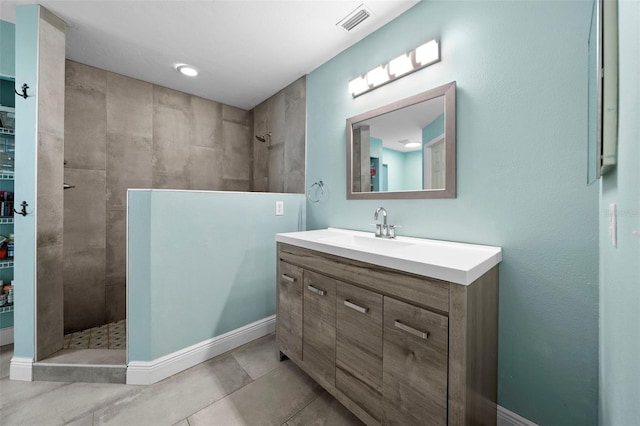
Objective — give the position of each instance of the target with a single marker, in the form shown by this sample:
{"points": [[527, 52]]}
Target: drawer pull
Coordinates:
{"points": [[288, 278], [350, 304], [316, 290], [411, 330]]}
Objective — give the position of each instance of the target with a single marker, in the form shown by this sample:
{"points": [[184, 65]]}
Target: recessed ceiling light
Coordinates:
{"points": [[187, 70]]}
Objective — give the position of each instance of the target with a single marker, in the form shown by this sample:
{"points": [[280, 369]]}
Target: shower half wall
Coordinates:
{"points": [[124, 133]]}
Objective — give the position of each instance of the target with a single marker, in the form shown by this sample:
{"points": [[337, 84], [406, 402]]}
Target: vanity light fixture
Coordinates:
{"points": [[420, 57], [187, 70]]}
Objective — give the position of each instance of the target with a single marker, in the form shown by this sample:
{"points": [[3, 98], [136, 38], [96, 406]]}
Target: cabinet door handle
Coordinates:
{"points": [[316, 290], [288, 278], [349, 304], [411, 330]]}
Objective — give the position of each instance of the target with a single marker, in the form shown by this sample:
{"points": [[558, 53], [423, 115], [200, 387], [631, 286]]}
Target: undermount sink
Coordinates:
{"points": [[459, 263]]}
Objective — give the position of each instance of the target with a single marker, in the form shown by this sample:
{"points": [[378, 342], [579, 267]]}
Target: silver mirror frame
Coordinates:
{"points": [[449, 92]]}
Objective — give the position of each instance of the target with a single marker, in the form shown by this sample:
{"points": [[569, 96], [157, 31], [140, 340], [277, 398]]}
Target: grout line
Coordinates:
{"points": [[302, 409]]}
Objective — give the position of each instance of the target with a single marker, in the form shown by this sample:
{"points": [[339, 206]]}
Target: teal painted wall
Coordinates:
{"points": [[27, 17], [7, 46], [521, 72], [433, 129], [620, 267], [413, 170], [375, 149], [201, 264]]}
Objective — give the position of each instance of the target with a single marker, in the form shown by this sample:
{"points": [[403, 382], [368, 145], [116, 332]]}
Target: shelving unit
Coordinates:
{"points": [[7, 169]]}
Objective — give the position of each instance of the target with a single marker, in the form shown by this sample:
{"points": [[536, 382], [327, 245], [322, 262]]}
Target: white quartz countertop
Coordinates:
{"points": [[459, 263]]}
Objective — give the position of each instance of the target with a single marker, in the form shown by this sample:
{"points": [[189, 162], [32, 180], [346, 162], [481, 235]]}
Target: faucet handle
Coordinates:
{"points": [[378, 229], [392, 230]]}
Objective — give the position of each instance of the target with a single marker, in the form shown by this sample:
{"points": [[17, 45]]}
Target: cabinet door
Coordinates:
{"points": [[415, 349], [359, 347], [289, 315], [319, 343]]}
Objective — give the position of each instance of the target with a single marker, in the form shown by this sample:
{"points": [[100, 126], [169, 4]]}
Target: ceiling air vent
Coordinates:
{"points": [[355, 18]]}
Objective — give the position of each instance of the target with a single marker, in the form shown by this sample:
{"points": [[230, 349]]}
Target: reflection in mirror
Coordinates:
{"points": [[404, 150]]}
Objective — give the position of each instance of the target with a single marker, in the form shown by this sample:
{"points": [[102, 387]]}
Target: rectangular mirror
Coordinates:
{"points": [[406, 149]]}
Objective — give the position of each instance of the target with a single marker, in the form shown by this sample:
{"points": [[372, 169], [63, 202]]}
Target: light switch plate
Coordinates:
{"points": [[279, 208]]}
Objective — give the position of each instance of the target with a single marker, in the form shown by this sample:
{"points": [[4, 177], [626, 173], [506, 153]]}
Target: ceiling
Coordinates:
{"points": [[245, 51]]}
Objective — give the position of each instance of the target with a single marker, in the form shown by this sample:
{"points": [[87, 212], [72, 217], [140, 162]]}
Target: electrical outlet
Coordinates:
{"points": [[279, 208]]}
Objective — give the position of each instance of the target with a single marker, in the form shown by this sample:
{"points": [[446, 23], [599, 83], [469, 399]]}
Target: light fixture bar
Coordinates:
{"points": [[405, 64]]}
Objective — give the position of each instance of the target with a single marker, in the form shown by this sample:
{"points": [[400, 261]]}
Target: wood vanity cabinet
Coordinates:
{"points": [[394, 348]]}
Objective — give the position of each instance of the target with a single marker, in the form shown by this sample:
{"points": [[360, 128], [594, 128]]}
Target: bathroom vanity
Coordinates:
{"points": [[401, 332]]}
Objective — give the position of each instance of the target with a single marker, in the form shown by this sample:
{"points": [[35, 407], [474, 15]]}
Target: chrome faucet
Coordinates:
{"points": [[384, 230]]}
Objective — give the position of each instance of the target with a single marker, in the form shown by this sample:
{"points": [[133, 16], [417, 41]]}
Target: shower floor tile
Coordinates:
{"points": [[107, 336]]}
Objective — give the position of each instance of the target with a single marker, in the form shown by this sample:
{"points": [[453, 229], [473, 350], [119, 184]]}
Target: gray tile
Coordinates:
{"points": [[84, 288], [270, 400], [206, 128], [182, 422], [115, 302], [260, 149], [258, 357], [178, 396], [173, 98], [128, 166], [85, 128], [324, 411], [6, 352], [236, 185], [13, 392], [171, 141], [79, 373], [50, 180], [88, 356], [236, 115], [49, 315], [277, 117], [116, 246], [85, 420], [294, 183], [296, 90], [129, 106], [206, 168], [237, 151], [85, 77], [276, 168], [294, 154], [171, 181], [51, 62], [66, 404], [84, 210]]}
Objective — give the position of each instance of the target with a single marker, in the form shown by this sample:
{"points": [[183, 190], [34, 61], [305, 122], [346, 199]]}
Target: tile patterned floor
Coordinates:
{"points": [[247, 386], [107, 336]]}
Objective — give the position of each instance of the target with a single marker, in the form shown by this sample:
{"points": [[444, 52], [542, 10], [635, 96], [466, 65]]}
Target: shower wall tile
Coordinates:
{"points": [[51, 75], [277, 108], [276, 168], [85, 127], [128, 166], [236, 115], [116, 302], [237, 150], [49, 315], [294, 182], [206, 127], [85, 77], [171, 181], [116, 247], [294, 153], [260, 149], [172, 98], [129, 106], [206, 168], [84, 288], [236, 185], [84, 210], [50, 181], [171, 141]]}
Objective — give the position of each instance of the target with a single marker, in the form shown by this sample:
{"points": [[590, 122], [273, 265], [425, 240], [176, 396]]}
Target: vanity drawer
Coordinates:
{"points": [[289, 313], [319, 327], [359, 346], [415, 354]]}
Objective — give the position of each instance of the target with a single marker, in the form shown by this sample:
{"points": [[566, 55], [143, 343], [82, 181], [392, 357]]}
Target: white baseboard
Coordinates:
{"points": [[149, 372], [21, 369], [6, 336], [507, 417]]}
